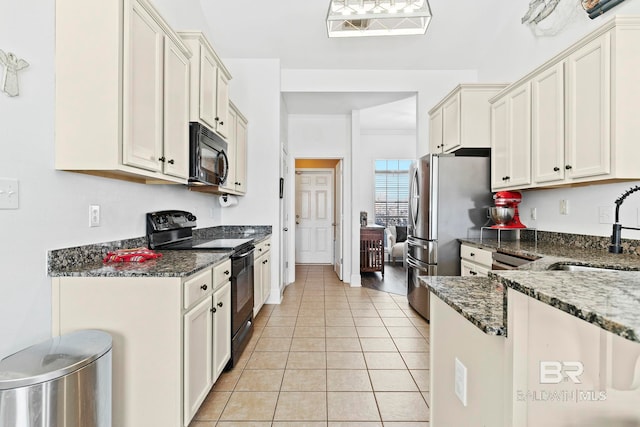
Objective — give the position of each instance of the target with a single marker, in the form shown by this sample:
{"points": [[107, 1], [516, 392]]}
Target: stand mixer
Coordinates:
{"points": [[505, 213]]}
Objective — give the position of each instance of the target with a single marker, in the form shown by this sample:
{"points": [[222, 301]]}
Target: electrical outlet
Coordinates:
{"points": [[564, 207], [94, 216], [534, 214], [606, 214], [460, 385], [9, 193]]}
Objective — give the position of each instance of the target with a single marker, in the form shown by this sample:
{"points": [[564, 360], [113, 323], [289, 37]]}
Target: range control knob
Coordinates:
{"points": [[191, 217], [162, 219]]}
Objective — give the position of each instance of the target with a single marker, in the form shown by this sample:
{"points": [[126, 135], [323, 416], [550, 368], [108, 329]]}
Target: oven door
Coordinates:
{"points": [[241, 289]]}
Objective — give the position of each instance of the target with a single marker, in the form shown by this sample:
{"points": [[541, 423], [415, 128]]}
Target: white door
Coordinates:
{"points": [[338, 222], [314, 212]]}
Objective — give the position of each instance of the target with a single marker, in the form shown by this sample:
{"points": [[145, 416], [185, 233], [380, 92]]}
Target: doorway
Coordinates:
{"points": [[318, 212]]}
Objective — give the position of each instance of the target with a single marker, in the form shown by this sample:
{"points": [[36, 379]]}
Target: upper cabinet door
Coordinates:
{"points": [[451, 123], [143, 90], [176, 111], [435, 131], [499, 143], [547, 124], [208, 77], [588, 144], [222, 105], [241, 155], [520, 136]]}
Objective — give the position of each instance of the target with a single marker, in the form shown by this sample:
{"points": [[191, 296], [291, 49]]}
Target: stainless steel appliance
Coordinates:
{"points": [[173, 230], [208, 163], [448, 199]]}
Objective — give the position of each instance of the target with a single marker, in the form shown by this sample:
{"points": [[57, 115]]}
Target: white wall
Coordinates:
{"points": [[322, 136], [515, 52], [430, 85], [399, 145], [255, 90], [54, 205]]}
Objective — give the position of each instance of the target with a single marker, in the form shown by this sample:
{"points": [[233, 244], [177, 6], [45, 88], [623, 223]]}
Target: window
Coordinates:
{"points": [[392, 192]]}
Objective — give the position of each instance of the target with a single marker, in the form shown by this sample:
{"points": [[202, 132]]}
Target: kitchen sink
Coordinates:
{"points": [[575, 267]]}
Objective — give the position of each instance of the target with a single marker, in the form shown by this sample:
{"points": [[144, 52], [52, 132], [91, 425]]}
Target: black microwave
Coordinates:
{"points": [[208, 163]]}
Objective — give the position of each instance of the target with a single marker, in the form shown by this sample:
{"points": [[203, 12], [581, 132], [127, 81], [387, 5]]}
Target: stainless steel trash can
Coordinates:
{"points": [[62, 382]]}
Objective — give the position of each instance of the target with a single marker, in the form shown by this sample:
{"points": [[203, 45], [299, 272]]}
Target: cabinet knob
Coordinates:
{"points": [[567, 167], [226, 272], [472, 254], [213, 310], [556, 169], [203, 287], [220, 304], [506, 178], [265, 261], [162, 159], [171, 161], [473, 273], [217, 119], [221, 123]]}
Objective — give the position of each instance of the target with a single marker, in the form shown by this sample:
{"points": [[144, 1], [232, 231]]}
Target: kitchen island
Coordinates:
{"points": [[540, 346]]}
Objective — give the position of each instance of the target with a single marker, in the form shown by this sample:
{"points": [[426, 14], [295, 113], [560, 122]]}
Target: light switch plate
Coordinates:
{"points": [[9, 193], [461, 382]]}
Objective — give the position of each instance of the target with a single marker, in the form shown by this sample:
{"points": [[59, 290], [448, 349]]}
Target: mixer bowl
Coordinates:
{"points": [[502, 215]]}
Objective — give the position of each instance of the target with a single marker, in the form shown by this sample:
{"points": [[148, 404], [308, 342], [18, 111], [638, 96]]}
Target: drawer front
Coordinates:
{"points": [[221, 273], [480, 256], [472, 269], [197, 287], [262, 248]]}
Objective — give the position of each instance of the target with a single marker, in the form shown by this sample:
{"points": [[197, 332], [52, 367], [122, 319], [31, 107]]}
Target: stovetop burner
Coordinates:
{"points": [[172, 230]]}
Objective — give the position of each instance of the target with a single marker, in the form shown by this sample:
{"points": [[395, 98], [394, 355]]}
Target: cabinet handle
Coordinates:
{"points": [[162, 159], [567, 167], [506, 178], [226, 272], [472, 254], [171, 161], [237, 183], [473, 273], [221, 123], [265, 261], [556, 169], [213, 310], [217, 119], [203, 287], [220, 304]]}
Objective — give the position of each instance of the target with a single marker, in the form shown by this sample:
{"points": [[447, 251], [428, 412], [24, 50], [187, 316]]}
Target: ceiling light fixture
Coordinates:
{"points": [[357, 18]]}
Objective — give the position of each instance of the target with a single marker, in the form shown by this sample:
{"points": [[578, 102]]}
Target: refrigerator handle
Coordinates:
{"points": [[412, 241]]}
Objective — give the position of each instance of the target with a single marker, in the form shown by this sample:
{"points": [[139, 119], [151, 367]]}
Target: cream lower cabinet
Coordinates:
{"points": [[475, 261], [461, 119], [169, 346], [122, 94], [261, 275]]}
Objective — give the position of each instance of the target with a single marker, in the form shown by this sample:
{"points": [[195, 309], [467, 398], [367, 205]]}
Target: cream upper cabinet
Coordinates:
{"points": [[241, 154], [547, 125], [583, 125], [128, 119], [236, 182], [511, 139], [435, 131], [588, 133], [209, 84], [461, 119]]}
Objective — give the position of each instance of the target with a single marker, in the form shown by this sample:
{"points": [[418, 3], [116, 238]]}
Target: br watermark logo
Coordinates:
{"points": [[553, 372]]}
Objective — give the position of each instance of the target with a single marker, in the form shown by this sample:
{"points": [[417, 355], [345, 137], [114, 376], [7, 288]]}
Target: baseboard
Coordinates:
{"points": [[356, 281]]}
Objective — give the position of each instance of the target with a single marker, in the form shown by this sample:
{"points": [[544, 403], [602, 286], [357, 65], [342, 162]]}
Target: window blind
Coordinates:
{"points": [[392, 192]]}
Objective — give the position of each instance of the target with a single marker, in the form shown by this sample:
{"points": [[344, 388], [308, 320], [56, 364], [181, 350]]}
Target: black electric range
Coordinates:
{"points": [[173, 230]]}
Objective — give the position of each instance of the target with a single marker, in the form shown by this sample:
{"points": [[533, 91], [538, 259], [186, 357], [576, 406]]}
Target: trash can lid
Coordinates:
{"points": [[53, 358]]}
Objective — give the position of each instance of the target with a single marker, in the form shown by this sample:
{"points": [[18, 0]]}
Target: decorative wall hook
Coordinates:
{"points": [[12, 64]]}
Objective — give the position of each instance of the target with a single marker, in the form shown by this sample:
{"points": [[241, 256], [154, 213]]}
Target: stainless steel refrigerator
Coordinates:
{"points": [[449, 197]]}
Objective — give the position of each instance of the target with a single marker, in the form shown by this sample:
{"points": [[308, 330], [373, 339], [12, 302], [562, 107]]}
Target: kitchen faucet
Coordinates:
{"points": [[616, 237]]}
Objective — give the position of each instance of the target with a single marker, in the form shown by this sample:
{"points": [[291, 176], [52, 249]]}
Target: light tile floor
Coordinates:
{"points": [[329, 355]]}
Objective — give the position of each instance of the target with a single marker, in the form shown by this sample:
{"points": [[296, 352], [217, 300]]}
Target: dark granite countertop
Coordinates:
{"points": [[608, 299], [86, 261], [479, 299]]}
